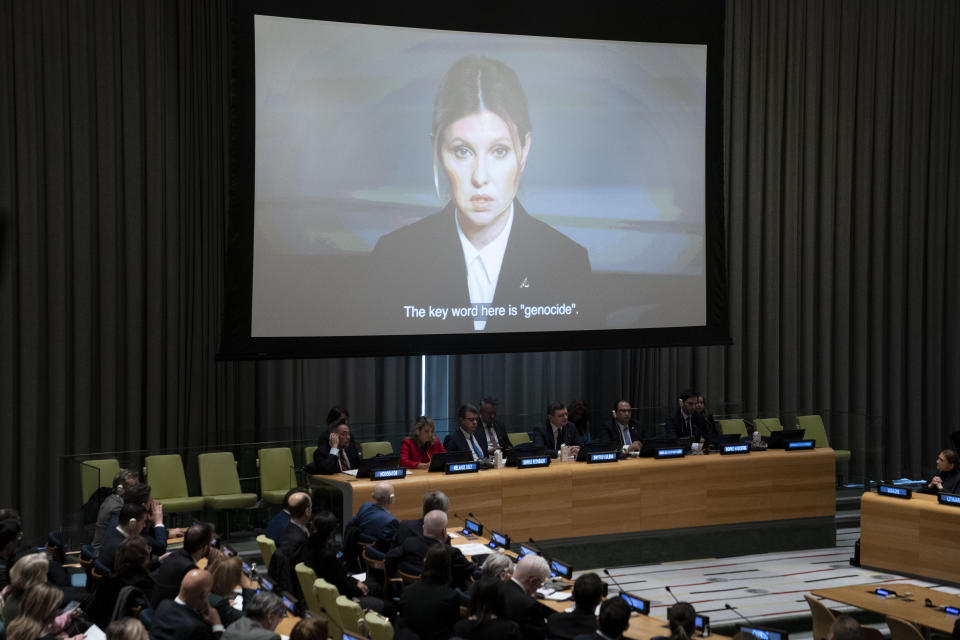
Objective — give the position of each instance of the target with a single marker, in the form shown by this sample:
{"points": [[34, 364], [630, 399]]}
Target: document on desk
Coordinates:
{"points": [[350, 472], [473, 549]]}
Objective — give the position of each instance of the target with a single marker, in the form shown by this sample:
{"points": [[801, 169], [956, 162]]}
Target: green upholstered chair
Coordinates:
{"points": [[308, 454], [814, 428], [518, 437], [732, 426], [371, 449], [277, 474], [351, 615], [220, 482], [267, 547], [378, 627], [168, 484], [768, 425], [326, 595], [306, 577], [95, 474]]}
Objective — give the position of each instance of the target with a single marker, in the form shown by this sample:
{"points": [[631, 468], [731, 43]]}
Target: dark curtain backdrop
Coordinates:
{"points": [[842, 131]]}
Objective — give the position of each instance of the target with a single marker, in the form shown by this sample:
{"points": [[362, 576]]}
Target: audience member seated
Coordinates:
{"points": [[124, 480], [131, 521], [28, 571], [197, 543], [432, 500], [278, 523], [587, 594], [310, 629], [467, 437], [130, 570], [292, 545], [621, 430], [373, 520], [409, 556], [681, 619], [417, 450], [227, 586], [428, 607], [686, 422], [522, 608], [488, 615], [556, 431], [37, 619], [845, 627], [947, 478], [10, 535], [579, 415], [613, 620], [493, 430], [154, 531], [188, 616], [497, 565], [264, 611], [336, 452], [322, 557], [126, 628]]}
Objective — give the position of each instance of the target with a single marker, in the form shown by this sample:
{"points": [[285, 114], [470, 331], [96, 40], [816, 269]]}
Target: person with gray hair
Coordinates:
{"points": [[374, 520], [264, 611], [409, 556], [497, 565], [522, 608], [432, 500]]}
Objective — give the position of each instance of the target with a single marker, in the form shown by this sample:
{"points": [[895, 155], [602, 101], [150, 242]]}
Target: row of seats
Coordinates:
{"points": [[812, 425], [823, 617]]}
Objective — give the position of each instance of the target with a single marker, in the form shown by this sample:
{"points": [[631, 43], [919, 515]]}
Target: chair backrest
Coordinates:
{"points": [[307, 576], [408, 578], [218, 474], [732, 426], [371, 449], [276, 469], [351, 615], [901, 629], [308, 453], [327, 594], [813, 427], [378, 627], [97, 473], [166, 477], [267, 547], [822, 617], [767, 425], [518, 437]]}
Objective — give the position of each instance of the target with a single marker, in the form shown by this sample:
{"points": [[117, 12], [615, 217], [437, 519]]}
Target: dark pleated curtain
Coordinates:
{"points": [[842, 130]]}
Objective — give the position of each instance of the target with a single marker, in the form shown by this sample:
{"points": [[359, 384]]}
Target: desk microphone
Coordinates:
{"points": [[470, 513], [670, 591], [613, 580], [458, 516], [734, 609]]}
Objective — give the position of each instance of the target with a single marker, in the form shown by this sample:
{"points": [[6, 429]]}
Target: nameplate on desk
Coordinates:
{"points": [[894, 491], [800, 445], [246, 569], [472, 528], [670, 452], [734, 449], [498, 540], [636, 603], [525, 550], [530, 462], [602, 456], [388, 474], [561, 569], [886, 593], [289, 602], [954, 611], [701, 624], [951, 499], [764, 633], [462, 467]]}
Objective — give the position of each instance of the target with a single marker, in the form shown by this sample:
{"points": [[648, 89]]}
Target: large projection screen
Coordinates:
{"points": [[408, 189]]}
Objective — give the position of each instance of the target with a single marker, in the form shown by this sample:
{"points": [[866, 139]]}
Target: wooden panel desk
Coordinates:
{"points": [[860, 596], [578, 499], [916, 536]]}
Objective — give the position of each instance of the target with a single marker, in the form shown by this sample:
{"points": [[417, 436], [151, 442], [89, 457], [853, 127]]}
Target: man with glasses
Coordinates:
{"points": [[556, 431], [528, 576], [262, 615], [466, 437]]}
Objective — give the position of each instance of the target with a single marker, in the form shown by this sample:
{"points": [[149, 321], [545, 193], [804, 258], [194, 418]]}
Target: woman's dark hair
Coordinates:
{"points": [[132, 556], [682, 617], [952, 458], [436, 565], [128, 512], [336, 412], [578, 415], [323, 525], [488, 600]]}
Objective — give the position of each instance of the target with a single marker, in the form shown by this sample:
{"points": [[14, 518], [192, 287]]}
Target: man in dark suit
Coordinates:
{"points": [[293, 541], [467, 437], [686, 422], [522, 608], [587, 594], [493, 430], [556, 431], [613, 620], [409, 556], [374, 520], [168, 576], [432, 501], [189, 616], [336, 452], [621, 430]]}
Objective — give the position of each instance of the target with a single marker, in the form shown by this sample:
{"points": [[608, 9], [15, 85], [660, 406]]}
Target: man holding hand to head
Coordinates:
{"points": [[189, 616]]}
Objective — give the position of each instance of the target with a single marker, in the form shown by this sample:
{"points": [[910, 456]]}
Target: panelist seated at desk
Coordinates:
{"points": [[418, 450], [613, 620], [947, 478], [488, 614], [686, 422], [556, 431], [682, 621], [493, 430], [466, 437], [409, 556], [587, 594], [621, 431], [707, 416], [336, 451], [374, 521]]}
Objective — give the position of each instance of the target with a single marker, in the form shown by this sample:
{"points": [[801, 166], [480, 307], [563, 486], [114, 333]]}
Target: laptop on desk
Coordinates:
{"points": [[439, 460], [379, 461], [779, 439]]}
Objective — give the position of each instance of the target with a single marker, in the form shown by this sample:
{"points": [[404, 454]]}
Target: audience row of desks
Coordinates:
{"points": [[578, 499]]}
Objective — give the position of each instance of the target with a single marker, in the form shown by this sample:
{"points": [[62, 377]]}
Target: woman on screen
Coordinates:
{"points": [[947, 478], [482, 263], [417, 450]]}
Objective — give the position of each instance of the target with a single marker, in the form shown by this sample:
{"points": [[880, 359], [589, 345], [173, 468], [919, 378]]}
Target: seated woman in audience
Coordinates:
{"points": [[28, 571], [227, 585], [310, 629], [947, 478], [38, 615], [429, 607], [131, 522], [488, 615], [322, 558], [417, 450], [130, 571], [681, 618], [127, 629]]}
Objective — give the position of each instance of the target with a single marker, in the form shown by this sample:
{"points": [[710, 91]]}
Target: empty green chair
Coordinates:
{"points": [[306, 577], [169, 484], [351, 615], [326, 595], [220, 482], [371, 449], [267, 547], [308, 454], [277, 475], [814, 429], [95, 474], [733, 426], [768, 425], [378, 627], [519, 437]]}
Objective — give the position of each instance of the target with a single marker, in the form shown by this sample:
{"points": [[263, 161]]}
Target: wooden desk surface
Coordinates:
{"points": [[916, 536], [860, 596], [579, 499]]}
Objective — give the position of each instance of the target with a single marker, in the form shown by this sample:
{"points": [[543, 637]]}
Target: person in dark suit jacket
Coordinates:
{"points": [[327, 459], [432, 500], [947, 478], [490, 426], [130, 522], [467, 437], [188, 616], [429, 607], [587, 594], [488, 614], [613, 620], [613, 431], [483, 247], [293, 542], [556, 431], [409, 556], [686, 422], [522, 608], [374, 520], [167, 577]]}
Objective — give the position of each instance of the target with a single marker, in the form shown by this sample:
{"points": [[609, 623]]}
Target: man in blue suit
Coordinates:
{"points": [[374, 519], [189, 616], [467, 437], [556, 431]]}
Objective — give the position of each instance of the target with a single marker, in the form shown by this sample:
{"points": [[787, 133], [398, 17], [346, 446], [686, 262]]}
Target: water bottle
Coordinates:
{"points": [[498, 459], [756, 438], [563, 453]]}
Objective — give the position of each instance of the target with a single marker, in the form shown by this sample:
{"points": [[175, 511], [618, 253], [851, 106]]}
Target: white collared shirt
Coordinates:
{"points": [[625, 433], [491, 432], [483, 266], [472, 444]]}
